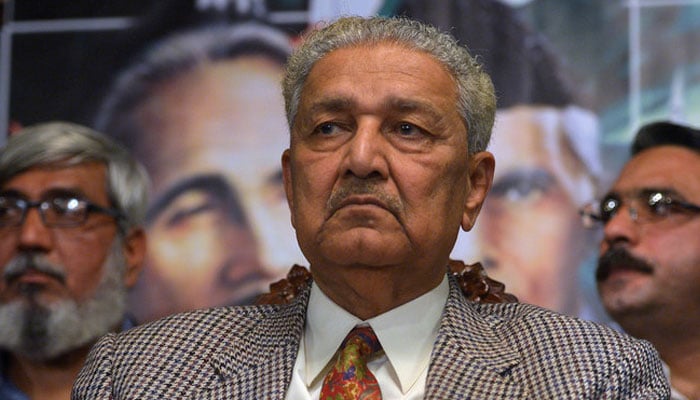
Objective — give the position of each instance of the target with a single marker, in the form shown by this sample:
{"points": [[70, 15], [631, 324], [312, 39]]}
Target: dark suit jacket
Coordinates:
{"points": [[483, 351]]}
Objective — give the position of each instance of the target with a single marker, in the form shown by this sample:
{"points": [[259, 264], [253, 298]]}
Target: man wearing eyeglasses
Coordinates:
{"points": [[71, 208], [649, 268]]}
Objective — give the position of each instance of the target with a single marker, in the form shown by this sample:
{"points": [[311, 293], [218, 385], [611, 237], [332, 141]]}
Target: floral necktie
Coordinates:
{"points": [[350, 379]]}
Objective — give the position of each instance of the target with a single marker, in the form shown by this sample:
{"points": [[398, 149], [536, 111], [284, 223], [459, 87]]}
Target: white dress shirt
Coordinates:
{"points": [[406, 333]]}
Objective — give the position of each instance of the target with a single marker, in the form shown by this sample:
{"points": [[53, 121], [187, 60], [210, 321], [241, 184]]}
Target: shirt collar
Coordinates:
{"points": [[407, 341]]}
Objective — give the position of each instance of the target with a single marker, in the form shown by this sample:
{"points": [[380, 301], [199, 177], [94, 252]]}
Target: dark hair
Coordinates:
{"points": [[662, 133]]}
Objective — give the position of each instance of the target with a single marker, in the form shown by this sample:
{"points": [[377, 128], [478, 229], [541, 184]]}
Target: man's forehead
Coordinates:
{"points": [[372, 58], [414, 87], [84, 177], [662, 166], [663, 158]]}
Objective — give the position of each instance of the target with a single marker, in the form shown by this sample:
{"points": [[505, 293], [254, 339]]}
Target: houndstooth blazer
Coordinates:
{"points": [[483, 351]]}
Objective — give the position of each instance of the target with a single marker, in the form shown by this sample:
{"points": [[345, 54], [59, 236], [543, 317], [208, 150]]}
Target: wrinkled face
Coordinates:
{"points": [[222, 131], [378, 173], [530, 234], [664, 283], [77, 254]]}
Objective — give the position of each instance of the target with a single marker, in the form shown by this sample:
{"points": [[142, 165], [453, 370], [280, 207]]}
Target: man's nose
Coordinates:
{"points": [[33, 233], [622, 226], [366, 152]]}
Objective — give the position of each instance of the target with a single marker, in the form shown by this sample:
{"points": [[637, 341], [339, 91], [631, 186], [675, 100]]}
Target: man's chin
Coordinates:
{"points": [[621, 281], [44, 329], [622, 295], [29, 300], [363, 256]]}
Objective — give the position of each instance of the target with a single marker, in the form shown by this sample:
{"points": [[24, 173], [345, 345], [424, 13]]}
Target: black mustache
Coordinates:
{"points": [[25, 262], [619, 258]]}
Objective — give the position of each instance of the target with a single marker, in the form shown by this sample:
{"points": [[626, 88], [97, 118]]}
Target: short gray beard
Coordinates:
{"points": [[47, 332]]}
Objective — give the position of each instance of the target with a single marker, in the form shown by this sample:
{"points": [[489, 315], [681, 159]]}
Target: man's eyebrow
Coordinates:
{"points": [[12, 193], [331, 104], [51, 192], [402, 105], [406, 106], [668, 191], [213, 184]]}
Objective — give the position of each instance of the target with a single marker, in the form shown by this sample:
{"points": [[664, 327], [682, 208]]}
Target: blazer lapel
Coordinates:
{"points": [[260, 361], [469, 360]]}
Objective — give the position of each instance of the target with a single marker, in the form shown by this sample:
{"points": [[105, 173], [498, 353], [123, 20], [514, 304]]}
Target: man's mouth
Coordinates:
{"points": [[34, 277], [360, 200], [32, 269], [620, 259]]}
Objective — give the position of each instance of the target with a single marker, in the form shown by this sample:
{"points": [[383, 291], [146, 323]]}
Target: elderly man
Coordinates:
{"points": [[389, 120], [649, 269], [71, 205]]}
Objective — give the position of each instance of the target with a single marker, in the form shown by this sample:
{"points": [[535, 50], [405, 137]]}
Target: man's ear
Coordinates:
{"points": [[481, 167], [134, 247], [287, 179]]}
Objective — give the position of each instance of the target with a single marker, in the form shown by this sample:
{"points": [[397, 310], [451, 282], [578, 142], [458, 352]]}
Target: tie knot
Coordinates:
{"points": [[350, 378], [363, 341]]}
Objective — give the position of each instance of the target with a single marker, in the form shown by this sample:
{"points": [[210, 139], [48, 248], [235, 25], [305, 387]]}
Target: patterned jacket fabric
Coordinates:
{"points": [[483, 351]]}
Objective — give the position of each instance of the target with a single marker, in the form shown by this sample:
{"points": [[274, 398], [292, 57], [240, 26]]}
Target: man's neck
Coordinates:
{"points": [[370, 291], [46, 379], [683, 359], [678, 344]]}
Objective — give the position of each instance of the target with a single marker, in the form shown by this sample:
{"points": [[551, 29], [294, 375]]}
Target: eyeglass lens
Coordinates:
{"points": [[58, 211]]}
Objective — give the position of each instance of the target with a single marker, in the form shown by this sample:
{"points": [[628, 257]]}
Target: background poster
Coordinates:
{"points": [[192, 87]]}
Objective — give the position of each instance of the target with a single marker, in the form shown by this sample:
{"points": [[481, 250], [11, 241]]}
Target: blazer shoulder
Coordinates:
{"points": [[522, 321], [208, 329], [554, 344], [172, 354], [212, 319]]}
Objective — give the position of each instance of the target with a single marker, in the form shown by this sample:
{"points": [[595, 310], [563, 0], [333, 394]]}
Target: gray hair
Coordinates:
{"points": [[68, 144], [476, 98], [175, 56]]}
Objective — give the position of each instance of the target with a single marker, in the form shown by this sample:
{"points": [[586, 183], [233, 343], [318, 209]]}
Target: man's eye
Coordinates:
{"points": [[6, 204], [5, 210], [609, 206], [406, 129], [327, 128], [661, 209], [660, 204], [66, 205]]}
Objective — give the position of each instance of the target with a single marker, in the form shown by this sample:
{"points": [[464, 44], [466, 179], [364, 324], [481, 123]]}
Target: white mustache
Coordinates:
{"points": [[25, 262]]}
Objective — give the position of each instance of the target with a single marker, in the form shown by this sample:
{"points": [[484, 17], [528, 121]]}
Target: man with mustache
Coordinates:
{"points": [[71, 207], [649, 269], [389, 121]]}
